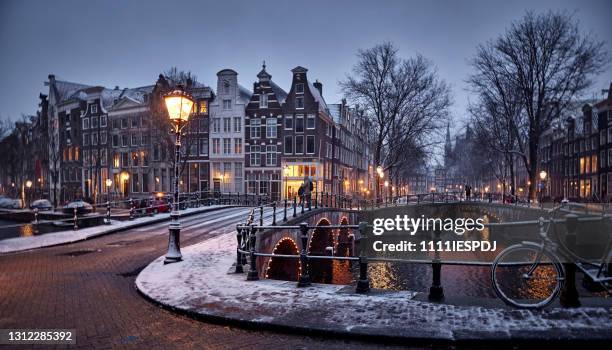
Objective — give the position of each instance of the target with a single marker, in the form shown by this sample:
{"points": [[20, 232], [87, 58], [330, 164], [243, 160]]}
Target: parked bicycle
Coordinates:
{"points": [[530, 275]]}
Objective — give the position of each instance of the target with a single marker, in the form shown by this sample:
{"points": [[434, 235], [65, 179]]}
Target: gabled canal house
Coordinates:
{"points": [[264, 134], [226, 145], [307, 135]]}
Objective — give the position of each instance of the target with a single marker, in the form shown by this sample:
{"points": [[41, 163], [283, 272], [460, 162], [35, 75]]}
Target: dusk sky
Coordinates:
{"points": [[128, 43]]}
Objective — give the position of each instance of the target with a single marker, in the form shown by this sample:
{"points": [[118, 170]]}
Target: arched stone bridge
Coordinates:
{"points": [[340, 242]]}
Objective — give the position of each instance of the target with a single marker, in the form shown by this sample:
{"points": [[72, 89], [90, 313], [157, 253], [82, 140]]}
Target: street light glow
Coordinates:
{"points": [[179, 105], [28, 184], [543, 175]]}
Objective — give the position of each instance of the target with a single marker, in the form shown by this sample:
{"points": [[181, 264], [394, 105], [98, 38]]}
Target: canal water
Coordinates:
{"points": [[12, 229]]}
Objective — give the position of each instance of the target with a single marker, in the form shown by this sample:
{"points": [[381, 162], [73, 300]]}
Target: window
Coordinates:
{"points": [[271, 155], [94, 122], [227, 146], [227, 104], [299, 88], [216, 146], [255, 128], [135, 139], [610, 157], [203, 147], [85, 139], [125, 160], [135, 122], [255, 155], [216, 122], [288, 145], [238, 177], [124, 140], [310, 144], [103, 138], [103, 121], [299, 102], [144, 139], [86, 123], [226, 87], [238, 146], [299, 144], [299, 123], [124, 123], [227, 125], [94, 109], [271, 128], [203, 107], [310, 122], [116, 160], [115, 140], [263, 100], [116, 123], [237, 124], [156, 152], [135, 182], [288, 122]]}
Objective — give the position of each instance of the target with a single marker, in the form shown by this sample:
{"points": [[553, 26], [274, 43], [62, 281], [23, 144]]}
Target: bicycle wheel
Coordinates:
{"points": [[524, 276]]}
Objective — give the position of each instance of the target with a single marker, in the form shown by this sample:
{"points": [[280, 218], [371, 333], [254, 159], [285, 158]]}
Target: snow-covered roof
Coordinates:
{"points": [[281, 95], [317, 96], [244, 93]]}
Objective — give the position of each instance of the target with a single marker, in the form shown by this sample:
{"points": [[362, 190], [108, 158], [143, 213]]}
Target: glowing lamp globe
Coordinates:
{"points": [[543, 175], [179, 105]]}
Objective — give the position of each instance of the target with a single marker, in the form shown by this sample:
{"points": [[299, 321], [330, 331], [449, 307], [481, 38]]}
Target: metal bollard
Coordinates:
{"points": [[285, 211], [316, 200], [132, 209], [76, 226], [436, 292], [569, 294], [274, 213], [253, 275], [363, 284], [108, 213], [304, 280], [261, 210], [239, 268], [35, 216], [294, 205]]}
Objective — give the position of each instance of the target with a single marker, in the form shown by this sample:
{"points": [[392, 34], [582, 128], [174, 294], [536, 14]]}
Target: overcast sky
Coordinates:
{"points": [[128, 43]]}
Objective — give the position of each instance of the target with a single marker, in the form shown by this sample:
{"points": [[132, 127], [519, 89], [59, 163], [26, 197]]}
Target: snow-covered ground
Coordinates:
{"points": [[69, 236], [203, 284]]}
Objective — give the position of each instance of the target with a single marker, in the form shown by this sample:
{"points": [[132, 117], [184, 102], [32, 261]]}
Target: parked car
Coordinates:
{"points": [[41, 204], [10, 203], [159, 205], [81, 206]]}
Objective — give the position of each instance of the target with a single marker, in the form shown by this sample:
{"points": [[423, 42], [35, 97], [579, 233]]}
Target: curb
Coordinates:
{"points": [[472, 340]]}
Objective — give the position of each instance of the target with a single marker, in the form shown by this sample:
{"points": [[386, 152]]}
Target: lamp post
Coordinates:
{"points": [[543, 176], [179, 105], [108, 183], [28, 194]]}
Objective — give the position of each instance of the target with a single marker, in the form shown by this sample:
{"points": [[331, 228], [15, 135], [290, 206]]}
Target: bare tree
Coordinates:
{"points": [[404, 100], [548, 63]]}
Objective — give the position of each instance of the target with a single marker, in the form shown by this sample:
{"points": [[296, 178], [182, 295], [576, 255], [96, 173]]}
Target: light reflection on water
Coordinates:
{"points": [[457, 280]]}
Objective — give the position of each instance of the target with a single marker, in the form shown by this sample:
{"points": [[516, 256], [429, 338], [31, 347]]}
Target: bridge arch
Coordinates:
{"points": [[280, 268], [321, 270]]}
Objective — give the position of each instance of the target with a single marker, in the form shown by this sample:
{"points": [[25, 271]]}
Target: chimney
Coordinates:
{"points": [[52, 78], [319, 86]]}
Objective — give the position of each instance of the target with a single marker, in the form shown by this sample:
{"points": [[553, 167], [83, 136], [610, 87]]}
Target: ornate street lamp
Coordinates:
{"points": [[179, 105]]}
